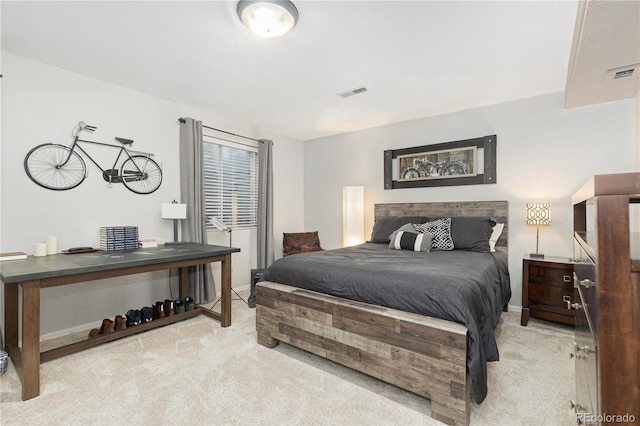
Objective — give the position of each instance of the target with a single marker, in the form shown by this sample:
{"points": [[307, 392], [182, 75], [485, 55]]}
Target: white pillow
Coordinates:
{"points": [[493, 239]]}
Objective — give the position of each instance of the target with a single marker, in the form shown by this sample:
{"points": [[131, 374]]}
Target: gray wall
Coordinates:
{"points": [[544, 153]]}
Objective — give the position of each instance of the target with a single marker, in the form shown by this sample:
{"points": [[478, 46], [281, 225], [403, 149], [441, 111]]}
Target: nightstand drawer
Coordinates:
{"points": [[552, 295], [550, 274]]}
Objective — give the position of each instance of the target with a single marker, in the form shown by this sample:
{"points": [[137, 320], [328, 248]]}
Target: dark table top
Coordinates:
{"points": [[60, 265]]}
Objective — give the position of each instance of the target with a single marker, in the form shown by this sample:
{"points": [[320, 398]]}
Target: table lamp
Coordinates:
{"points": [[538, 214], [175, 211]]}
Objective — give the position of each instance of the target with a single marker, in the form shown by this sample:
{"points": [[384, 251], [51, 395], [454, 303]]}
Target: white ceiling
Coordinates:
{"points": [[606, 39], [416, 58]]}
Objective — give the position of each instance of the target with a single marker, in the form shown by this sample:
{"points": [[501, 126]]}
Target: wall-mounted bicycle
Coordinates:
{"points": [[59, 167]]}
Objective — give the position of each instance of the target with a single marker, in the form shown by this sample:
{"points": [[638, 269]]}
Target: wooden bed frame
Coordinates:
{"points": [[423, 355]]}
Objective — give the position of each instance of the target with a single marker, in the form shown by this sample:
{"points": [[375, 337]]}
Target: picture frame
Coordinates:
{"points": [[462, 162]]}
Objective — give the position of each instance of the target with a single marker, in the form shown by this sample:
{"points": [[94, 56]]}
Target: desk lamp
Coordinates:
{"points": [[174, 211]]}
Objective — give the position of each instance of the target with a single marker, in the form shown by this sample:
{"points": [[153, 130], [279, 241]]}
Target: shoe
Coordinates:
{"points": [[134, 317], [178, 306], [158, 310], [121, 323], [147, 314], [168, 307], [106, 328], [189, 303]]}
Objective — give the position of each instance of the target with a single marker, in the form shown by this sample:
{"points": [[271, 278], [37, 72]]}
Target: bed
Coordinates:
{"points": [[422, 321]]}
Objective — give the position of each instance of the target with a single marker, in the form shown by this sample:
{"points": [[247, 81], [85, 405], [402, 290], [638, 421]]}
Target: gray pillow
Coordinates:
{"points": [[472, 233], [410, 240], [384, 227], [441, 231]]}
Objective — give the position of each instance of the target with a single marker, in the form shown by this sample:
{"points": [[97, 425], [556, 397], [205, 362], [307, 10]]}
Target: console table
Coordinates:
{"points": [[34, 273]]}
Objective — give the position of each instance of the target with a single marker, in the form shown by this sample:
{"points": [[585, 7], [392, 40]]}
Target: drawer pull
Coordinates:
{"points": [[575, 406], [576, 306], [577, 349], [586, 283], [586, 349]]}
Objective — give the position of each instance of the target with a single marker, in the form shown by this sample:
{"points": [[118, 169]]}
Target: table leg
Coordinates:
{"points": [[183, 280], [30, 339], [226, 291], [11, 314]]}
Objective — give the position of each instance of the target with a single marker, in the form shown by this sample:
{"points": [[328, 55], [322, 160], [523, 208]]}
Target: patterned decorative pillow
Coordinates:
{"points": [[408, 240], [441, 230]]}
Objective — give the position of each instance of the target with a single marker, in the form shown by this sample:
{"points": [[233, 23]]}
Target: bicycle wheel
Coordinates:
{"points": [[42, 165], [453, 169], [411, 173], [141, 174]]}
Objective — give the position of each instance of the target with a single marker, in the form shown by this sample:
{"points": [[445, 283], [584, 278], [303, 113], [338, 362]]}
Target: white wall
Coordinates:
{"points": [[41, 104], [544, 153]]}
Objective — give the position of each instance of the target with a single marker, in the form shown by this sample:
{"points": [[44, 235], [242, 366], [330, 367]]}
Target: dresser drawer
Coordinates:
{"points": [[585, 352]]}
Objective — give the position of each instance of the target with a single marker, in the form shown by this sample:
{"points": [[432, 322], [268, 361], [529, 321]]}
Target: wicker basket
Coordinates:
{"points": [[4, 357]]}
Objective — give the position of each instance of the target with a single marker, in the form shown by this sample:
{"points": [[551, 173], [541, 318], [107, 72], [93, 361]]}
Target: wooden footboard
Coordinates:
{"points": [[423, 355]]}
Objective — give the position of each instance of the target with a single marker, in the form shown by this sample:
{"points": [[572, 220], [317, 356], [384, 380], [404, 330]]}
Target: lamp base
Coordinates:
{"points": [[536, 256], [174, 243]]}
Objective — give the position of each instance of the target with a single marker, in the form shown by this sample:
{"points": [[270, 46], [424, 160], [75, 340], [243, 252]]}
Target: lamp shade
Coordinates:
{"points": [[538, 214], [352, 215], [268, 18], [174, 211]]}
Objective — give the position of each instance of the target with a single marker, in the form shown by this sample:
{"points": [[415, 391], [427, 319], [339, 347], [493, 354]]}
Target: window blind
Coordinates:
{"points": [[231, 183]]}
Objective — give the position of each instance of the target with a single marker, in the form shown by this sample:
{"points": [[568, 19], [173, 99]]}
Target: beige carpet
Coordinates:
{"points": [[195, 372]]}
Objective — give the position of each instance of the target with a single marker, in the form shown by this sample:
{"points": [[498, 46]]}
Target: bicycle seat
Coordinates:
{"points": [[124, 141]]}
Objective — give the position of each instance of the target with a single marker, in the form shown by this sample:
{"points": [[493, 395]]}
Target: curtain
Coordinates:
{"points": [[201, 284], [265, 204]]}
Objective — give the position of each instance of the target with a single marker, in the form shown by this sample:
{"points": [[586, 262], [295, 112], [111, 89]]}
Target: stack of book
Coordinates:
{"points": [[118, 237], [148, 242]]}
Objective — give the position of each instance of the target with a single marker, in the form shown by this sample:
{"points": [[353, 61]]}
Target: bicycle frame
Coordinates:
{"points": [[121, 149]]}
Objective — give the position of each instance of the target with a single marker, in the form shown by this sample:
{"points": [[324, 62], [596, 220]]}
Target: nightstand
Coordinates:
{"points": [[547, 285]]}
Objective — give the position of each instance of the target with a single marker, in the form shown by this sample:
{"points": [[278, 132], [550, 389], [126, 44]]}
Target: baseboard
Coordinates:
{"points": [[71, 330], [515, 308], [86, 327]]}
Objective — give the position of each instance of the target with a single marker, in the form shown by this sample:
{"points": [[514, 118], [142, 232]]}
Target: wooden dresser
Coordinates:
{"points": [[607, 278]]}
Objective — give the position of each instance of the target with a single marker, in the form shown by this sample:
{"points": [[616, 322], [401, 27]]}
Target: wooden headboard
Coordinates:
{"points": [[497, 210]]}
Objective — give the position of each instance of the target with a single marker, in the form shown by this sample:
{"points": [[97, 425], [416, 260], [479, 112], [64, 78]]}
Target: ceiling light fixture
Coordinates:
{"points": [[268, 18]]}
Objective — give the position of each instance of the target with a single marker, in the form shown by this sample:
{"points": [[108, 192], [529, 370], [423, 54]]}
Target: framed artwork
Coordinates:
{"points": [[440, 164], [463, 162]]}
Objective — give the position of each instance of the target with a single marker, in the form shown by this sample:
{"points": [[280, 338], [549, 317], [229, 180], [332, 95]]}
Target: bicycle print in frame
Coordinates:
{"points": [[438, 164]]}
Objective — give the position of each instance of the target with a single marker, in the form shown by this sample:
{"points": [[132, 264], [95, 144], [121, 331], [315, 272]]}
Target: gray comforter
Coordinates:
{"points": [[466, 287]]}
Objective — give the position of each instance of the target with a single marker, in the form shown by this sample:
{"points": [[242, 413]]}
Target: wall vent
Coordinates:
{"points": [[622, 73], [352, 92]]}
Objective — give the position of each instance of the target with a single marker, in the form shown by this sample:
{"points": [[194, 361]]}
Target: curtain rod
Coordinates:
{"points": [[182, 120]]}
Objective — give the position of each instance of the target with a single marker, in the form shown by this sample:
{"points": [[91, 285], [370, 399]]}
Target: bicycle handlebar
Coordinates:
{"points": [[83, 126]]}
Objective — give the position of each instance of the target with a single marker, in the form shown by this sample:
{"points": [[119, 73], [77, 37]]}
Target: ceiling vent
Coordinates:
{"points": [[628, 72], [352, 92]]}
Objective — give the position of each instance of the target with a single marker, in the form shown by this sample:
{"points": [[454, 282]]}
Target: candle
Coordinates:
{"points": [[39, 249], [52, 244]]}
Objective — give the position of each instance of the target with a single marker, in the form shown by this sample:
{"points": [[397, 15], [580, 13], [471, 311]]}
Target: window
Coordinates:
{"points": [[231, 183]]}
